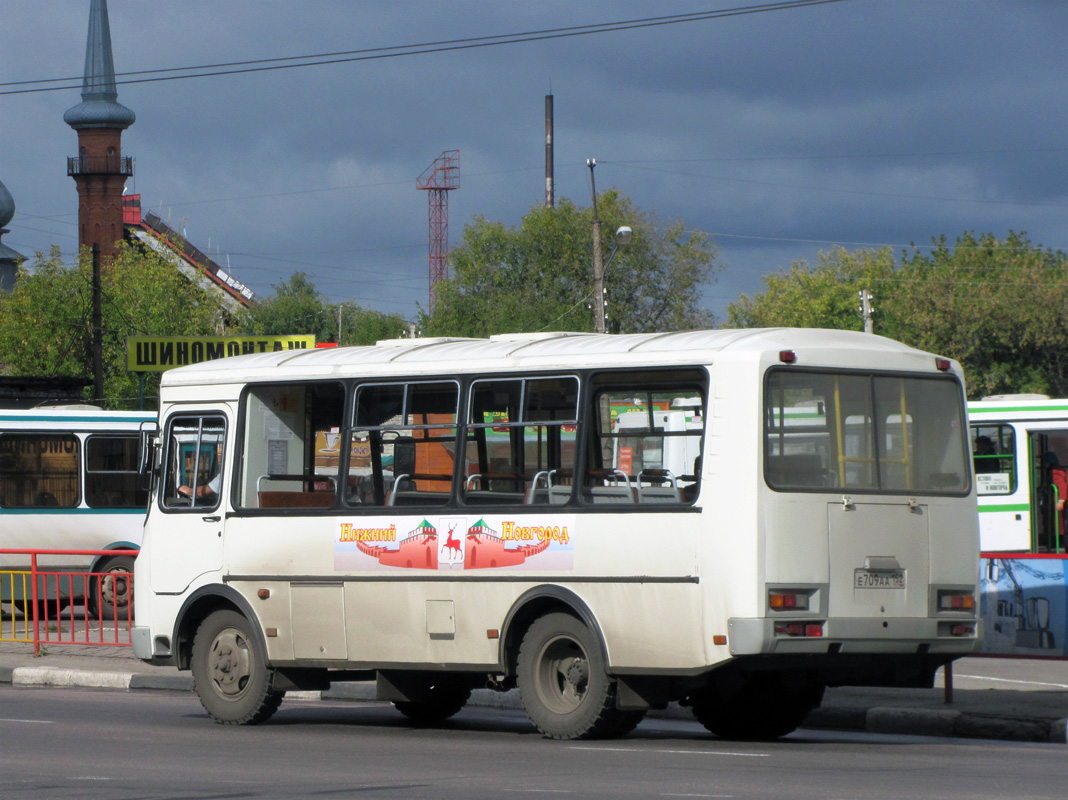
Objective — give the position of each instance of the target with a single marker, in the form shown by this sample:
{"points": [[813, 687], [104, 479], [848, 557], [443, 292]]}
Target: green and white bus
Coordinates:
{"points": [[1020, 445], [608, 523]]}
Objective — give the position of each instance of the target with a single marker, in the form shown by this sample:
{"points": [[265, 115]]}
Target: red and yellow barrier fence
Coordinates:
{"points": [[53, 606]]}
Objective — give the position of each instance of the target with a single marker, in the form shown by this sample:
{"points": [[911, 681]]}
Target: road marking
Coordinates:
{"points": [[1010, 680], [677, 794], [28, 721], [540, 791], [678, 752]]}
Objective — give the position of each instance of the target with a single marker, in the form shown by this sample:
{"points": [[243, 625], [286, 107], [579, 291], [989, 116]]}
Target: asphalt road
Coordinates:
{"points": [[112, 744]]}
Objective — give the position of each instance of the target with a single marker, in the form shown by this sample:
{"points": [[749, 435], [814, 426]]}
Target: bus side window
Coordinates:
{"points": [[646, 446], [39, 470], [993, 453], [112, 478], [410, 430], [294, 446], [521, 441]]}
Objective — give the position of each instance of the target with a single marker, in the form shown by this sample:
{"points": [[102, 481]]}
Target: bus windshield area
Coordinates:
{"points": [[864, 433]]}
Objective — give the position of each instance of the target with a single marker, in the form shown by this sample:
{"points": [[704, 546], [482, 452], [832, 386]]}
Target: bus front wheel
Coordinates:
{"points": [[230, 671], [563, 682]]}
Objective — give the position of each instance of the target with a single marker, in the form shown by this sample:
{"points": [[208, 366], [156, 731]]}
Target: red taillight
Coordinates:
{"points": [[942, 364], [808, 629], [787, 356], [962, 630], [788, 600]]}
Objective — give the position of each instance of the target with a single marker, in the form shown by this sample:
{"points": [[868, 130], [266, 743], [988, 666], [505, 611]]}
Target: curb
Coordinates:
{"points": [[880, 719]]}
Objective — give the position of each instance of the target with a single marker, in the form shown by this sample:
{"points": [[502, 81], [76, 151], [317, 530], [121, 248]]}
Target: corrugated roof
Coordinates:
{"points": [[521, 351]]}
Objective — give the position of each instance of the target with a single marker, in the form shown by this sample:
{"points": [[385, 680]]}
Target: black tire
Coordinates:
{"points": [[230, 671], [442, 701], [111, 595], [45, 610], [563, 683], [763, 708]]}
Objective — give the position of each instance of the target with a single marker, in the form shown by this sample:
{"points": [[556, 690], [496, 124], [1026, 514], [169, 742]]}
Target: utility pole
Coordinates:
{"points": [[865, 309], [550, 197], [98, 329], [598, 258]]}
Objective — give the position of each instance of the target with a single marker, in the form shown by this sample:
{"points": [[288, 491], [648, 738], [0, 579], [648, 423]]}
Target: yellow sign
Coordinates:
{"points": [[160, 353]]}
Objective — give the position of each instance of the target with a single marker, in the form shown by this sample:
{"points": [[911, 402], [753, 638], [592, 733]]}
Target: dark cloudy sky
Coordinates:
{"points": [[864, 123]]}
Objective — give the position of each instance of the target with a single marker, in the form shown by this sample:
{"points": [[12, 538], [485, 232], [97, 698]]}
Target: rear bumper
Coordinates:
{"points": [[890, 635]]}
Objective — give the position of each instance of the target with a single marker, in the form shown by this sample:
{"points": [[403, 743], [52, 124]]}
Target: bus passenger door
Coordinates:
{"points": [[1048, 459], [186, 528]]}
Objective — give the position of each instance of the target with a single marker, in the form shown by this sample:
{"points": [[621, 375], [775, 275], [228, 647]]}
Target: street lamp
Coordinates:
{"points": [[623, 237]]}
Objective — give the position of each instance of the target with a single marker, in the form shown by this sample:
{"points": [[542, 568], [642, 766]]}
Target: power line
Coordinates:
{"points": [[398, 51]]}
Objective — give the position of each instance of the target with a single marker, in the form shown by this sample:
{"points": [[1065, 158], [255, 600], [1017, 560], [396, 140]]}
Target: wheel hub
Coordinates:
{"points": [[229, 663], [578, 675]]}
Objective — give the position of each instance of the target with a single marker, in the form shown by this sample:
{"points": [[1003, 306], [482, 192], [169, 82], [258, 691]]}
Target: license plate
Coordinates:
{"points": [[882, 579]]}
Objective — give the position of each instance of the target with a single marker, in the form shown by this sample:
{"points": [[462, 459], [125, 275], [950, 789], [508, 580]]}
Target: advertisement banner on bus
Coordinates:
{"points": [[1022, 603], [524, 541]]}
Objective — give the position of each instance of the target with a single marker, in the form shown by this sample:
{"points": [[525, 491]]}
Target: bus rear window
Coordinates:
{"points": [[864, 432]]}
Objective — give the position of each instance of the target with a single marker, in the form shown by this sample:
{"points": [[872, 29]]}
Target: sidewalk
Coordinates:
{"points": [[1010, 699]]}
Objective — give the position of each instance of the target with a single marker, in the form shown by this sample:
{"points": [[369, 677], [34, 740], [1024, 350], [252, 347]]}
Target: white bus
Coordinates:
{"points": [[1020, 445], [69, 480], [439, 515]]}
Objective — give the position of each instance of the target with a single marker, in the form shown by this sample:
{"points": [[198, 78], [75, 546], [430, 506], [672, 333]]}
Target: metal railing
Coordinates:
{"points": [[49, 606], [100, 165]]}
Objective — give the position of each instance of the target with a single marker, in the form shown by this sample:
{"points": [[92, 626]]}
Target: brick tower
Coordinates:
{"points": [[100, 170]]}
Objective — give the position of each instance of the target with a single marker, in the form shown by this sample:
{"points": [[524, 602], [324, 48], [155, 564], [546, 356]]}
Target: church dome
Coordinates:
{"points": [[7, 205]]}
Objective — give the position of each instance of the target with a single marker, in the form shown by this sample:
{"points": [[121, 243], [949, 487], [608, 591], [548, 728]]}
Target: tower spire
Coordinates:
{"points": [[99, 107], [99, 170]]}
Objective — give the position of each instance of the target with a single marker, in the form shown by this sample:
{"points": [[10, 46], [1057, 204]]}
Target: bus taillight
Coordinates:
{"points": [[956, 601], [787, 600], [799, 629]]}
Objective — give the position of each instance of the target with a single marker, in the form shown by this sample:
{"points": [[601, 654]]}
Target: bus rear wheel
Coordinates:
{"points": [[563, 682], [764, 707], [441, 701], [111, 596], [230, 671]]}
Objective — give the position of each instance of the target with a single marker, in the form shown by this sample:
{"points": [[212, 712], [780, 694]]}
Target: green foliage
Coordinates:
{"points": [[824, 296], [539, 276], [297, 307], [46, 321], [1000, 307]]}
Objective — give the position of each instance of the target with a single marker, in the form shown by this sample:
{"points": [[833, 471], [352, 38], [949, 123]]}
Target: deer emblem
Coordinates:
{"points": [[452, 543]]}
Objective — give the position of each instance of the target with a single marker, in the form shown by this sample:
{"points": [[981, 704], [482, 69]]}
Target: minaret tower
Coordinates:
{"points": [[100, 170]]}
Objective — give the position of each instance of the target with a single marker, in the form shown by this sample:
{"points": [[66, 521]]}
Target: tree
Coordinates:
{"points": [[297, 307], [46, 321], [824, 296], [539, 276], [1000, 307]]}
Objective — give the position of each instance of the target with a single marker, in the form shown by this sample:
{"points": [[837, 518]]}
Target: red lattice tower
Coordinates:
{"points": [[438, 180]]}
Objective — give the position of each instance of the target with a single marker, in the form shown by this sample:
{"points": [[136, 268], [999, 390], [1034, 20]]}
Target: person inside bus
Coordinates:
{"points": [[1058, 479], [984, 449], [206, 493]]}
